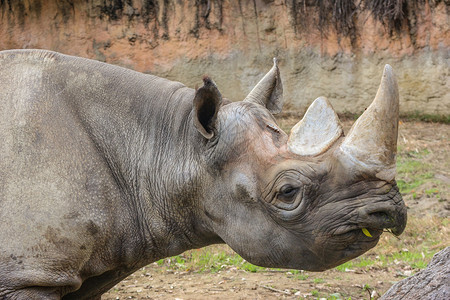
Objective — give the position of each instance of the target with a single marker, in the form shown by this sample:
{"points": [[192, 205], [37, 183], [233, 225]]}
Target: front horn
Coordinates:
{"points": [[372, 140]]}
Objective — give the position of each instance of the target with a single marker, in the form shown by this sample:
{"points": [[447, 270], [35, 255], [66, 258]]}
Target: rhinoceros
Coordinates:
{"points": [[104, 170]]}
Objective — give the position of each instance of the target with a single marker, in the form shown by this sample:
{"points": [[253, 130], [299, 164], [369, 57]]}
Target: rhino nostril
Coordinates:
{"points": [[395, 221], [381, 216], [381, 220]]}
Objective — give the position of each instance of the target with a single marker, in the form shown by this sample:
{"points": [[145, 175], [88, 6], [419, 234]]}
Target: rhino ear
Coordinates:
{"points": [[207, 101], [269, 91]]}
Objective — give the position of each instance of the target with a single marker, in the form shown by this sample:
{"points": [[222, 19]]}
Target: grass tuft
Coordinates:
{"points": [[429, 118], [412, 172]]}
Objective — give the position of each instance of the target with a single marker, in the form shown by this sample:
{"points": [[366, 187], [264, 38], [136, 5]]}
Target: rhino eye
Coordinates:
{"points": [[287, 193]]}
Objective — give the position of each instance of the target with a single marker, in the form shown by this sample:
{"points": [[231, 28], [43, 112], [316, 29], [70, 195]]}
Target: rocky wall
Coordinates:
{"points": [[337, 52]]}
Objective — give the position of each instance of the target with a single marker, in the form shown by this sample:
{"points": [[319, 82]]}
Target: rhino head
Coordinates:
{"points": [[311, 200]]}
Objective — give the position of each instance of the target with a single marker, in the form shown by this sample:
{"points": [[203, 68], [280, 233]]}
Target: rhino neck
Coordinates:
{"points": [[171, 176], [143, 129]]}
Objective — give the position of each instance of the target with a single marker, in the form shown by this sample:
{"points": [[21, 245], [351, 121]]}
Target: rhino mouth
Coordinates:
{"points": [[355, 235], [369, 230], [355, 240], [371, 221], [374, 231], [365, 234], [345, 244]]}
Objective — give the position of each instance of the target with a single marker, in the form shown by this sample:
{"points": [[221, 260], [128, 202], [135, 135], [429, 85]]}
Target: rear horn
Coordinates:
{"points": [[317, 131]]}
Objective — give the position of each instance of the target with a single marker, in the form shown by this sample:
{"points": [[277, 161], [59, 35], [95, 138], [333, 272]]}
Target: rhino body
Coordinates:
{"points": [[104, 170]]}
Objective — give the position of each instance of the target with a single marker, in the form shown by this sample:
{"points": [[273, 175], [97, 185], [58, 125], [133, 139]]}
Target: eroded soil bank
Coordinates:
{"points": [[324, 50]]}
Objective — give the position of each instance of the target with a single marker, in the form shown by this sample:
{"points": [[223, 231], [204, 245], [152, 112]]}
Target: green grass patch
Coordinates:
{"points": [[251, 268], [335, 296], [209, 259], [430, 118], [416, 260], [412, 172], [318, 280], [345, 266], [361, 262], [302, 276]]}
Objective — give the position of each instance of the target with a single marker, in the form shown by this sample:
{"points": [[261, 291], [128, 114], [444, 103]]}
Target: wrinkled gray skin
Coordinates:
{"points": [[104, 170]]}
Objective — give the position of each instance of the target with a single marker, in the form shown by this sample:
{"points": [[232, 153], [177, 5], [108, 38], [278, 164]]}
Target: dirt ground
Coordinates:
{"points": [[149, 283], [155, 282]]}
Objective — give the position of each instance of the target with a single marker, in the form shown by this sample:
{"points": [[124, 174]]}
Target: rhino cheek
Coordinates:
{"points": [[254, 235], [248, 233], [277, 248]]}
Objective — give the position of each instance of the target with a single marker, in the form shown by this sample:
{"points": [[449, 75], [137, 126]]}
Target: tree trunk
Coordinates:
{"points": [[431, 283]]}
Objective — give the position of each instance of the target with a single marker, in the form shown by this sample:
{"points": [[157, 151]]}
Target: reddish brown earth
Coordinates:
{"points": [[234, 42], [158, 282]]}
